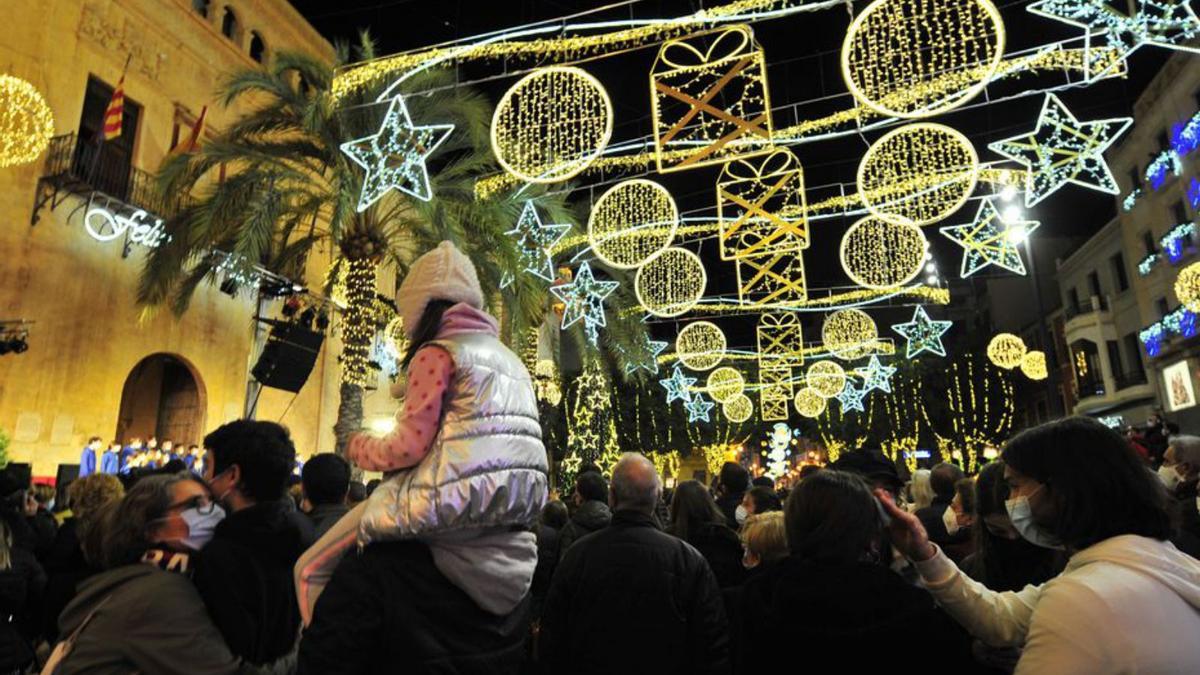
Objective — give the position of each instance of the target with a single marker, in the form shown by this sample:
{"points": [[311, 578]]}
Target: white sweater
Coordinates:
{"points": [[1128, 604]]}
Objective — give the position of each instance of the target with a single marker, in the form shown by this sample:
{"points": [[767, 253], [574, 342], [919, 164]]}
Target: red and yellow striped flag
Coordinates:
{"points": [[193, 141], [114, 114]]}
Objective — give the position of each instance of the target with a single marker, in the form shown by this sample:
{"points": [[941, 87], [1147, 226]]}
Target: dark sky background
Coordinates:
{"points": [[802, 53]]}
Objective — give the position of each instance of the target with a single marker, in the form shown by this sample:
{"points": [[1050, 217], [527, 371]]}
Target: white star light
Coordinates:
{"points": [[851, 398], [649, 362], [877, 376], [990, 240], [923, 334], [584, 298], [677, 386], [535, 243], [395, 156], [698, 408]]}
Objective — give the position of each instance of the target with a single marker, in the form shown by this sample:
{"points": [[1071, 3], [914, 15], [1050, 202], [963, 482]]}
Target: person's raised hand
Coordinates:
{"points": [[906, 531]]}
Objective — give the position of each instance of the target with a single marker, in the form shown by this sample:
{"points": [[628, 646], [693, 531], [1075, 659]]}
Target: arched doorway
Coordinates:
{"points": [[163, 397]]}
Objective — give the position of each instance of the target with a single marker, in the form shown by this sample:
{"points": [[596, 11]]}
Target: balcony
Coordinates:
{"points": [[1096, 303], [1130, 379]]}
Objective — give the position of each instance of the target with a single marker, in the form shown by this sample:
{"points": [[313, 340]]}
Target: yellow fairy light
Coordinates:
{"points": [[26, 123], [1187, 287], [738, 409], [809, 403], [894, 49], [1033, 364], [883, 254], [551, 124], [826, 378], [725, 383], [849, 333], [671, 283], [919, 172], [1006, 350], [631, 222], [700, 345], [358, 321]]}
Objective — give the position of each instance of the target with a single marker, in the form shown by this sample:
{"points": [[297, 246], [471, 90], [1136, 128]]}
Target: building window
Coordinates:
{"points": [[1135, 179], [258, 50], [1133, 349], [1164, 143], [109, 170], [201, 7], [1149, 243], [1094, 284], [1114, 358], [229, 24], [1118, 265], [1180, 211], [1161, 305]]}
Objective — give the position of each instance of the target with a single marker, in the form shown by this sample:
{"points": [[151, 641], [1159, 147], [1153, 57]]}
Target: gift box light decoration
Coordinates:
{"points": [[738, 409], [725, 383], [700, 345], [898, 56], [1033, 364], [849, 334], [632, 222], [551, 124], [709, 99], [776, 280], [761, 206], [395, 156], [878, 253], [780, 347], [826, 378], [809, 403], [1006, 350], [26, 122], [918, 172], [990, 240], [670, 283]]}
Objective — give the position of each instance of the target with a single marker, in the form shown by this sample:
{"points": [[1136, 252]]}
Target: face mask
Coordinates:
{"points": [[740, 515], [1169, 476], [1022, 519], [201, 525], [950, 520]]}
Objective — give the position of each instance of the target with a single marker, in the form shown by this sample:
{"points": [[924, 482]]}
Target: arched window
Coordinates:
{"points": [[229, 24], [258, 50], [201, 7]]}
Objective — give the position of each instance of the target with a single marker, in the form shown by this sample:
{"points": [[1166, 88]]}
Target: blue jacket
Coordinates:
{"points": [[87, 462], [109, 462]]}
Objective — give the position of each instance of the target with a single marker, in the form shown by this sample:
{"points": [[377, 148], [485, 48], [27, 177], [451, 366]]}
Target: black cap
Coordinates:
{"points": [[15, 477], [871, 464]]}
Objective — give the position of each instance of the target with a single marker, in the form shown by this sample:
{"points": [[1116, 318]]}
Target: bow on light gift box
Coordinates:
{"points": [[709, 100], [780, 346]]}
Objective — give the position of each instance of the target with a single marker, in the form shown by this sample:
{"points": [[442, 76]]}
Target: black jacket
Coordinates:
{"points": [[722, 549], [864, 613], [325, 516], [591, 515], [633, 599], [245, 577], [548, 541], [931, 516], [389, 610], [21, 587], [66, 568], [728, 505]]}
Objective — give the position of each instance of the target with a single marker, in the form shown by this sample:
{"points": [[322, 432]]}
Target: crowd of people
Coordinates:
{"points": [[116, 458], [1071, 553]]}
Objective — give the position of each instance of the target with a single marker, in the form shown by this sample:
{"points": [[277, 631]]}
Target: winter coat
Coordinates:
{"points": [[958, 546], [323, 516], [864, 613], [728, 505], [633, 599], [21, 587], [1128, 604], [722, 549], [245, 577], [388, 609], [549, 541], [1013, 565], [591, 516], [66, 568]]}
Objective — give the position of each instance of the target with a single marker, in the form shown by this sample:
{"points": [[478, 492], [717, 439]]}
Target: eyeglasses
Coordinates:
{"points": [[201, 503]]}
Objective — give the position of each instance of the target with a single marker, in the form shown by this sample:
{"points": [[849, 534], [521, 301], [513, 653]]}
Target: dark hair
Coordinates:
{"points": [[93, 439], [942, 479], [592, 487], [808, 470], [691, 508], [1097, 486], [554, 514], [734, 478], [764, 481], [764, 500], [121, 534], [264, 452], [427, 328], [326, 479], [832, 517], [965, 489], [1012, 567], [356, 492], [587, 467]]}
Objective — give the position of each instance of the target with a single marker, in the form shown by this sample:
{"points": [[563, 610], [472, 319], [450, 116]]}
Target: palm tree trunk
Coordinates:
{"points": [[358, 330], [350, 417]]}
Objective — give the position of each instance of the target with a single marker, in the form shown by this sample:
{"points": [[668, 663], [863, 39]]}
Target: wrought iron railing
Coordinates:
{"points": [[83, 168]]}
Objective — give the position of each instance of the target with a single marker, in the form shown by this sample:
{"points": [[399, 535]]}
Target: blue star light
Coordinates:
{"points": [[584, 298], [877, 376], [395, 156], [677, 387], [534, 243], [698, 408], [649, 361], [1062, 150], [851, 398], [923, 334], [990, 240]]}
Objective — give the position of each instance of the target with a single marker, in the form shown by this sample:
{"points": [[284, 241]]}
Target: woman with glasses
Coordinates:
{"points": [[142, 613]]}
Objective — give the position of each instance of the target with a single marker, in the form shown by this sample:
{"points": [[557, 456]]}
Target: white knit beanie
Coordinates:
{"points": [[441, 274]]}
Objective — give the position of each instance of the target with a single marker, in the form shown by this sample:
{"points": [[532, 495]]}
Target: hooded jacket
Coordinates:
{"points": [[1128, 604], [592, 515]]}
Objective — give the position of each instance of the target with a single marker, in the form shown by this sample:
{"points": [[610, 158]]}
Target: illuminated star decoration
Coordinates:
{"points": [[649, 362], [584, 300], [877, 376], [1163, 23], [923, 334], [990, 240], [395, 156], [698, 408], [677, 387], [851, 398], [534, 243], [1062, 150]]}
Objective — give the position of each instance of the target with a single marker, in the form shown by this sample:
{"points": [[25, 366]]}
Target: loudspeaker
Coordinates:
{"points": [[67, 473], [288, 357]]}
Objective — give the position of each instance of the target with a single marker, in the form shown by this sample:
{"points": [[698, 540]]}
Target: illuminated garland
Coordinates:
{"points": [[1181, 322], [671, 283], [631, 222], [26, 122], [979, 416], [1175, 242], [397, 139], [826, 378], [700, 345], [918, 172], [738, 409], [358, 321], [724, 384], [878, 253], [1033, 364], [591, 431], [848, 332], [1006, 350]]}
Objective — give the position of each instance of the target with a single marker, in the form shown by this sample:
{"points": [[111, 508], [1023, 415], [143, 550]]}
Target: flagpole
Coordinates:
{"points": [[100, 137]]}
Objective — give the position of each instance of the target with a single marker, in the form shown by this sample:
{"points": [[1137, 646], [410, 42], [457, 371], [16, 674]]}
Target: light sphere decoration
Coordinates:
{"points": [[738, 409], [849, 334], [809, 403], [1006, 350], [919, 172], [827, 378], [725, 383], [551, 124], [1033, 364], [877, 253], [26, 122], [700, 345], [919, 58], [1187, 287], [632, 222], [670, 283]]}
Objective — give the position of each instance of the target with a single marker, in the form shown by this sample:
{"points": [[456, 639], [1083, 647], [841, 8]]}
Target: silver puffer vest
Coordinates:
{"points": [[487, 467]]}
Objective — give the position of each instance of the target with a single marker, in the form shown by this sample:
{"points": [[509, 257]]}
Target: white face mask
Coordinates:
{"points": [[740, 515], [1021, 516], [1169, 476], [950, 520], [201, 523]]}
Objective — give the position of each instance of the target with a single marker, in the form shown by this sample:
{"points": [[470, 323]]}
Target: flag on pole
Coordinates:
{"points": [[114, 114], [192, 143]]}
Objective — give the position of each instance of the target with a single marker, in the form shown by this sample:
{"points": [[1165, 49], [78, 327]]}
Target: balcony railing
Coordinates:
{"points": [[1089, 386], [1096, 303]]}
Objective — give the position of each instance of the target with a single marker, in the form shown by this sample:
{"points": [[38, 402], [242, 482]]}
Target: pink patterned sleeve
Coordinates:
{"points": [[416, 423]]}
